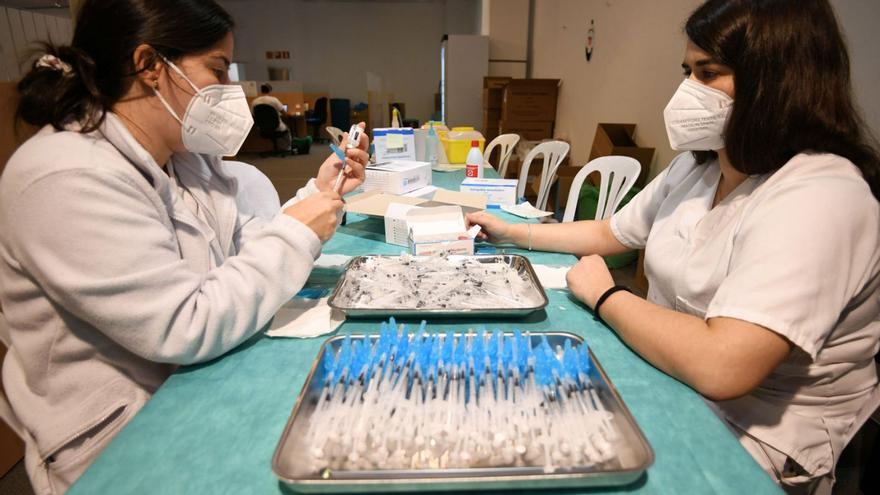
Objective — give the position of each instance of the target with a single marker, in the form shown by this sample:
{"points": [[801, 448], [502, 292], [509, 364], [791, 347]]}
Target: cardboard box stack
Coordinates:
{"points": [[528, 108], [493, 95]]}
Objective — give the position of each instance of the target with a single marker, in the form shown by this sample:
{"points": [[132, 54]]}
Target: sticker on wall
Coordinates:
{"points": [[279, 54], [591, 35]]}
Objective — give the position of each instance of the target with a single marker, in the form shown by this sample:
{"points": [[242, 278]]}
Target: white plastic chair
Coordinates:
{"points": [[619, 173], [335, 134], [554, 152], [507, 142], [256, 194]]}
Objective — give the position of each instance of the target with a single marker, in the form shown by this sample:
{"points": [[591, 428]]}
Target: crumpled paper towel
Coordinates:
{"points": [[332, 261], [525, 210], [552, 277], [304, 318]]}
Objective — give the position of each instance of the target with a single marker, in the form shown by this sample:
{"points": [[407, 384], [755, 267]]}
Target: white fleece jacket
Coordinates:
{"points": [[108, 284]]}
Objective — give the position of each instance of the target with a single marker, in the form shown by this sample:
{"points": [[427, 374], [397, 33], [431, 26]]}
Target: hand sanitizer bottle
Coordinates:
{"points": [[431, 144], [474, 161]]}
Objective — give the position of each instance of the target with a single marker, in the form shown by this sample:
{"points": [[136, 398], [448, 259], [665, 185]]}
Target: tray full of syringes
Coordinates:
{"points": [[402, 411], [438, 286]]}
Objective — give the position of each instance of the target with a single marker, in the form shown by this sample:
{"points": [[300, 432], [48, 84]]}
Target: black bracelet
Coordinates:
{"points": [[605, 296]]}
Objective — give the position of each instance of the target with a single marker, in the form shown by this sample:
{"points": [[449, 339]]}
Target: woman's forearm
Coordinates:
{"points": [[722, 359], [578, 238]]}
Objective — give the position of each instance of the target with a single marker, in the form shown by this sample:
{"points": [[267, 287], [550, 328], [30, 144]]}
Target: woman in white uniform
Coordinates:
{"points": [[762, 242], [122, 251]]}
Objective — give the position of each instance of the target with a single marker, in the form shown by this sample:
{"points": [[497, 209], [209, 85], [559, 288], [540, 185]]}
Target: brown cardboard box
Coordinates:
{"points": [[11, 447], [491, 122], [530, 100], [492, 99], [617, 139], [11, 133], [496, 82], [532, 131], [564, 178]]}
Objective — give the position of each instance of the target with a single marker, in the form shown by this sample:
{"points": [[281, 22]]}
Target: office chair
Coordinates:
{"points": [[316, 118], [268, 120], [340, 113]]}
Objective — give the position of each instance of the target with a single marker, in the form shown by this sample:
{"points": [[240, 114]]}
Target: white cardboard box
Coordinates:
{"points": [[498, 191], [394, 144], [426, 193], [375, 203], [393, 208], [396, 231], [398, 177], [438, 230]]}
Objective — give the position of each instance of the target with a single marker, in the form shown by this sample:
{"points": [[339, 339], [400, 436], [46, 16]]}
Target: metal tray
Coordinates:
{"points": [[519, 263], [634, 454]]}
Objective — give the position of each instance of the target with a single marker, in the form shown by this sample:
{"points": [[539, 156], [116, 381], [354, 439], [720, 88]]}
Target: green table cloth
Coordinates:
{"points": [[212, 428]]}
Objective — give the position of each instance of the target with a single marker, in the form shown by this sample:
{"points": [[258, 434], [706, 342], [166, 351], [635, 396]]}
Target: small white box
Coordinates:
{"points": [[438, 230], [498, 191], [394, 144], [398, 177], [396, 231]]}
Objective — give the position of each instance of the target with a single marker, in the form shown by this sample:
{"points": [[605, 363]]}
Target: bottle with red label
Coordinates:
{"points": [[474, 161]]}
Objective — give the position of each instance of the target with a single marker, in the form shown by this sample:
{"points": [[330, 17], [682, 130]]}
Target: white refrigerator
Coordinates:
{"points": [[464, 62]]}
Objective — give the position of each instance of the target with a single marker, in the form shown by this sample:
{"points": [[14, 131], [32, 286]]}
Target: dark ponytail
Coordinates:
{"points": [[54, 96], [792, 83], [100, 56]]}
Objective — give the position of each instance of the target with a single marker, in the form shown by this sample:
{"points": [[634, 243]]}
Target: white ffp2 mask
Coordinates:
{"points": [[217, 119], [695, 117]]}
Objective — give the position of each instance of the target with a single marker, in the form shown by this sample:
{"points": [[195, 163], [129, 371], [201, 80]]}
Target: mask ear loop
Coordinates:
{"points": [[162, 98], [180, 73]]}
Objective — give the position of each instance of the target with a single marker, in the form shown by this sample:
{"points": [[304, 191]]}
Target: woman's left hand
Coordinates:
{"points": [[356, 159], [589, 279]]}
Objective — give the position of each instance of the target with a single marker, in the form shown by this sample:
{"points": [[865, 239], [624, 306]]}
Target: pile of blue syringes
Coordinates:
{"points": [[423, 400]]}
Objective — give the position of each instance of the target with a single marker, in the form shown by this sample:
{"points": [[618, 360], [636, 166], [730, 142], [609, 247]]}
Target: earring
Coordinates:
{"points": [[156, 84]]}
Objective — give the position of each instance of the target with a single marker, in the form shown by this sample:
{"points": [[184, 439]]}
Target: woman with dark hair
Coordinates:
{"points": [[762, 244], [124, 253]]}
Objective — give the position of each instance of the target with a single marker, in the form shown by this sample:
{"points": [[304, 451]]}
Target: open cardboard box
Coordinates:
{"points": [[618, 139], [438, 230], [394, 208]]}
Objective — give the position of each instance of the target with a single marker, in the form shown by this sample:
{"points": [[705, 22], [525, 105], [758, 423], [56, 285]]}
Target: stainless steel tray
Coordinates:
{"points": [[634, 454], [519, 263]]}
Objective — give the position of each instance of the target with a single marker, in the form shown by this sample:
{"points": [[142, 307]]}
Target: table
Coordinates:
{"points": [[212, 428]]}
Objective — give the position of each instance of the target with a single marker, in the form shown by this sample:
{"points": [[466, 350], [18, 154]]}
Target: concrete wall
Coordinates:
{"points": [[334, 43], [859, 19], [636, 64], [20, 30], [506, 22]]}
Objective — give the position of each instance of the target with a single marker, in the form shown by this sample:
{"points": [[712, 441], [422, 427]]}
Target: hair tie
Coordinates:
{"points": [[52, 62]]}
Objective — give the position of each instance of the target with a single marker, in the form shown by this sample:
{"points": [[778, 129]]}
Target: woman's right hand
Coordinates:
{"points": [[493, 228], [318, 212]]}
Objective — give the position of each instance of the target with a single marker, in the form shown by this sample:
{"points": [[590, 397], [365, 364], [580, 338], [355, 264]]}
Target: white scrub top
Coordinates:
{"points": [[796, 251]]}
